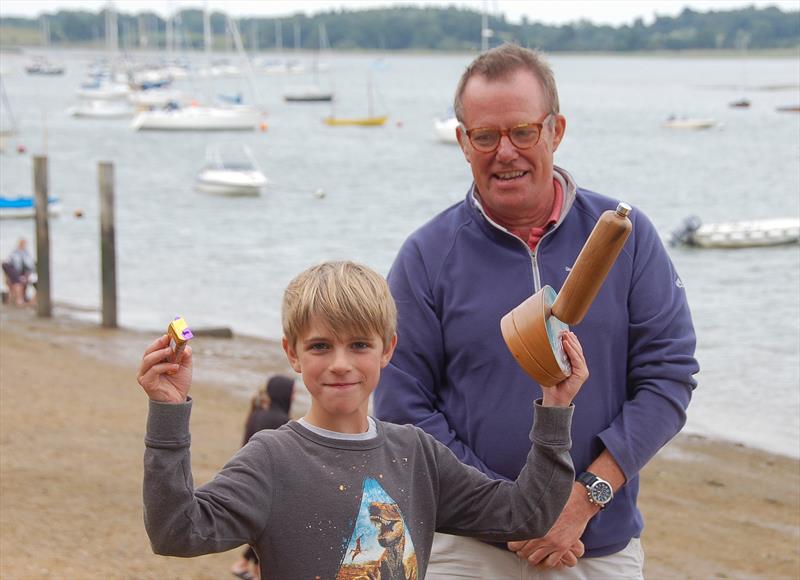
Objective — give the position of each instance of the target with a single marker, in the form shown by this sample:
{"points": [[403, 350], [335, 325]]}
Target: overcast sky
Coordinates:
{"points": [[614, 12]]}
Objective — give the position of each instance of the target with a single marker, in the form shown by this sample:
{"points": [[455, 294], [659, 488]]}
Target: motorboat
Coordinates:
{"points": [[102, 110], [445, 129], [743, 234], [230, 171], [199, 118], [788, 109], [689, 123], [25, 207]]}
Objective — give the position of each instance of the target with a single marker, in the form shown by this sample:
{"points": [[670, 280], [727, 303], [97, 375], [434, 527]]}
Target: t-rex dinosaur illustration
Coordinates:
{"points": [[391, 535]]}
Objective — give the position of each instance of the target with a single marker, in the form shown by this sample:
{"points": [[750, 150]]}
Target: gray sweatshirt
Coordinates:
{"points": [[317, 508]]}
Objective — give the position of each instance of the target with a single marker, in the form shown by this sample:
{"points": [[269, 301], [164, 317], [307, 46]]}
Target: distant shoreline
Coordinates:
{"points": [[721, 53]]}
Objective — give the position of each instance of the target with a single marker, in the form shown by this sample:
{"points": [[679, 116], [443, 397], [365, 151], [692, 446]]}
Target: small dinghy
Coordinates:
{"points": [[744, 234], [689, 123]]}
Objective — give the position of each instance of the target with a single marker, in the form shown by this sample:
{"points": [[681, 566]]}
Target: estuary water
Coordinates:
{"points": [[225, 261]]}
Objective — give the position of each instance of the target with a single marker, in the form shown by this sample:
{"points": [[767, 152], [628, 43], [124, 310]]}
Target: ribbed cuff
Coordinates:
{"points": [[552, 425], [168, 425]]}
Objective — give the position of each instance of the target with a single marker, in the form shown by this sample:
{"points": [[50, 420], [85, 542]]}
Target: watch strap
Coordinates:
{"points": [[587, 478]]}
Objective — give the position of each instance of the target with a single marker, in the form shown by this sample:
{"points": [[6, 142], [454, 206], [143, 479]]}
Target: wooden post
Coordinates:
{"points": [[108, 264], [43, 304]]}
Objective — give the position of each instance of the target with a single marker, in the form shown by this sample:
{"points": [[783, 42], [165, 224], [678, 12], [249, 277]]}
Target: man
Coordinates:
{"points": [[521, 226]]}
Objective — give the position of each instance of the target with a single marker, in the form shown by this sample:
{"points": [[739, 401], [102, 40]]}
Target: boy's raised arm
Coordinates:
{"points": [[225, 513], [472, 504]]}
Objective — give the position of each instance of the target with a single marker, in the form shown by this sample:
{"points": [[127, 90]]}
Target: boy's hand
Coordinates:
{"points": [[164, 381], [562, 394]]}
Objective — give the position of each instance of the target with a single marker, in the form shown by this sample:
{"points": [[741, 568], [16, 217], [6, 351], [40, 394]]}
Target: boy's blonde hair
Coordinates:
{"points": [[345, 296]]}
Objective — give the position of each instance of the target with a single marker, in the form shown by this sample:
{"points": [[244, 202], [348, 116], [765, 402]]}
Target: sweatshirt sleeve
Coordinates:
{"points": [[661, 361], [227, 512], [472, 504], [408, 388]]}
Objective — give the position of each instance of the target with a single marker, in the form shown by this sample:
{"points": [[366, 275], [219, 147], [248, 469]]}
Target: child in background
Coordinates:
{"points": [[339, 494], [269, 408]]}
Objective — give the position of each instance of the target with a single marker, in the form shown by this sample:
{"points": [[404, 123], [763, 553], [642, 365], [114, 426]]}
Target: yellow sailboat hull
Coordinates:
{"points": [[360, 121]]}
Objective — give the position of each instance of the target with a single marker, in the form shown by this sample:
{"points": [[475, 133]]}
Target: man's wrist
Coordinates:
{"points": [[598, 491]]}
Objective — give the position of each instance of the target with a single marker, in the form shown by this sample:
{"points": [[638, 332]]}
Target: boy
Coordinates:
{"points": [[338, 494]]}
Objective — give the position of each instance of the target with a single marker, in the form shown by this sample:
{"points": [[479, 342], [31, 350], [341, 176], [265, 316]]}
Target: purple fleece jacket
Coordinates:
{"points": [[452, 375]]}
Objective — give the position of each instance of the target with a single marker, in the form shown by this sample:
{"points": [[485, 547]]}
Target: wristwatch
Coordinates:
{"points": [[598, 490]]}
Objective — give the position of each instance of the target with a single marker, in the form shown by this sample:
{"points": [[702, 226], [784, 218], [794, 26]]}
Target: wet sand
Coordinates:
{"points": [[71, 443]]}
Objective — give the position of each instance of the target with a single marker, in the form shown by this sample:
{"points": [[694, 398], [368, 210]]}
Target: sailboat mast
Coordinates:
{"points": [[207, 40], [237, 40], [369, 95]]}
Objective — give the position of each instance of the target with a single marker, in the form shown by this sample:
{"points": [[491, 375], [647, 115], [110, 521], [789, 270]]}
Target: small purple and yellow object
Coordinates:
{"points": [[179, 334]]}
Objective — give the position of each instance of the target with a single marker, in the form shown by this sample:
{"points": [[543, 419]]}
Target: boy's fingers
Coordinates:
{"points": [[152, 359], [156, 344], [155, 371]]}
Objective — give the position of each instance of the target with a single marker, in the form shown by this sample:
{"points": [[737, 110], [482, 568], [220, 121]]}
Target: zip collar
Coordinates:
{"points": [[568, 186]]}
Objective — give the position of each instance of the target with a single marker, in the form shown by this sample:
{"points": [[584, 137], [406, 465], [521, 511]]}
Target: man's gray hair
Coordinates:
{"points": [[500, 62]]}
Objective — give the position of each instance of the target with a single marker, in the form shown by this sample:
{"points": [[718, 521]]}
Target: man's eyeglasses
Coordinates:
{"points": [[487, 139]]}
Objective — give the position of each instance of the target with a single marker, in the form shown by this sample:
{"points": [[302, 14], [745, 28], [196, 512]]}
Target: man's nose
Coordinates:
{"points": [[506, 150]]}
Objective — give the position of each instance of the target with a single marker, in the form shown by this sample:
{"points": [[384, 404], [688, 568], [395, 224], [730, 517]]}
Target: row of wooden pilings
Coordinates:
{"points": [[108, 266]]}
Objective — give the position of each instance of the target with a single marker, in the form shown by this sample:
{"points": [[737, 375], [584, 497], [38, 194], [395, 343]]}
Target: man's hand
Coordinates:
{"points": [[561, 546], [164, 381]]}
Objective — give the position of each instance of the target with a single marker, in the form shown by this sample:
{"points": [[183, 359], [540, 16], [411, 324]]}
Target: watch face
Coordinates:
{"points": [[601, 492]]}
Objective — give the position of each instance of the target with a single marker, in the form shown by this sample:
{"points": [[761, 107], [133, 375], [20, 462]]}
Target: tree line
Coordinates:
{"points": [[413, 28]]}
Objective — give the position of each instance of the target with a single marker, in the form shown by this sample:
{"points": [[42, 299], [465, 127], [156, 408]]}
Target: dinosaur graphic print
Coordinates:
{"points": [[380, 547]]}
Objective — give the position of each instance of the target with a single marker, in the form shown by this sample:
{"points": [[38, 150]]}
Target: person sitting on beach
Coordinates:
{"points": [[338, 494], [269, 409], [19, 270]]}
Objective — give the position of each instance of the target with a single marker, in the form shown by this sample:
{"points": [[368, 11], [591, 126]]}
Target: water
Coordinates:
{"points": [[225, 261]]}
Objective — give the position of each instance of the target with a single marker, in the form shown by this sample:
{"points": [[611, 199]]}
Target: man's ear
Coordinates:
{"points": [[291, 354], [559, 128], [463, 142], [388, 351]]}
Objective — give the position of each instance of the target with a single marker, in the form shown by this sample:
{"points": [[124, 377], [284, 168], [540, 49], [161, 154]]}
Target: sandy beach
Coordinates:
{"points": [[71, 442]]}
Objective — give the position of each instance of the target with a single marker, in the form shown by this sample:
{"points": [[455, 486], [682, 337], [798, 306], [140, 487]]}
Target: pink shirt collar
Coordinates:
{"points": [[536, 234]]}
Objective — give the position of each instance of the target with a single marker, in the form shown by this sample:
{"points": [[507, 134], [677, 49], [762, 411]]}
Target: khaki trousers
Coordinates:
{"points": [[455, 558]]}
